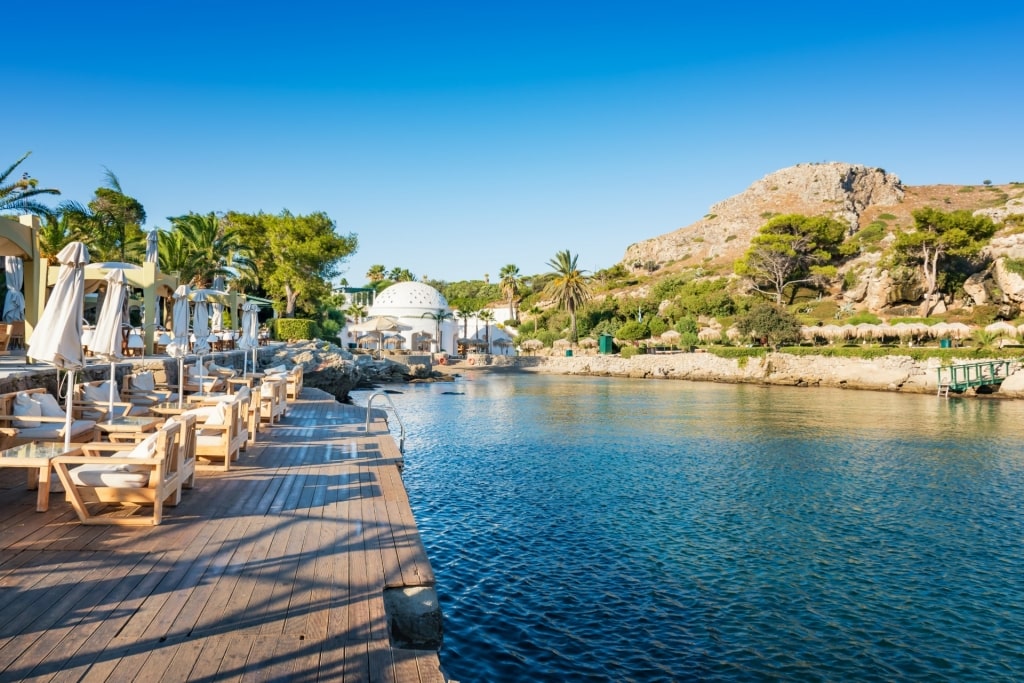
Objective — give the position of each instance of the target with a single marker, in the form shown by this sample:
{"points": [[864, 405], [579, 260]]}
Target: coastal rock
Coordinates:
{"points": [[889, 373], [324, 366], [841, 190]]}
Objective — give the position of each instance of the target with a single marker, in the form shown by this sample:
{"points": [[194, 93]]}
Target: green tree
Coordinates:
{"points": [[438, 316], [55, 233], [464, 315], [118, 219], [511, 284], [355, 312], [937, 236], [487, 317], [772, 325], [633, 331], [202, 247], [376, 273], [19, 196], [401, 275], [569, 286], [297, 257], [789, 250]]}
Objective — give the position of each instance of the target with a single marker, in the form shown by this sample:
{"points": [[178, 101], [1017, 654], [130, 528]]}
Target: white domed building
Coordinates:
{"points": [[420, 311]]}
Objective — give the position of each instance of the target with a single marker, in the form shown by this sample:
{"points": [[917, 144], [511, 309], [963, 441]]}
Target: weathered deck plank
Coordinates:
{"points": [[274, 570]]}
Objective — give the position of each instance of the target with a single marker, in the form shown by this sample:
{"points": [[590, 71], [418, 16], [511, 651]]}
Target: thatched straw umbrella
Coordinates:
{"points": [[939, 331], [532, 345], [710, 334], [1002, 328], [960, 330], [671, 337], [587, 343], [561, 344], [733, 334]]}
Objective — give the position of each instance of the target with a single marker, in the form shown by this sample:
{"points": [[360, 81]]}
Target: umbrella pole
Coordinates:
{"points": [[110, 405], [67, 417], [181, 380]]}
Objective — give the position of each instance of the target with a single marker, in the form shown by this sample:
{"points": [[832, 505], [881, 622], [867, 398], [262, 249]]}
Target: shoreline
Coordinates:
{"points": [[887, 373]]}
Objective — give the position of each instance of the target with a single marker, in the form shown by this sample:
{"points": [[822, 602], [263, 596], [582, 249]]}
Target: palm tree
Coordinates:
{"points": [[439, 317], [55, 233], [487, 316], [568, 287], [376, 273], [511, 284], [464, 316], [356, 312], [203, 248], [18, 196]]}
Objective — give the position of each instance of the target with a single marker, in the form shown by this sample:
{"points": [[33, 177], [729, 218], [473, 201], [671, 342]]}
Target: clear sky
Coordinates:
{"points": [[456, 137]]}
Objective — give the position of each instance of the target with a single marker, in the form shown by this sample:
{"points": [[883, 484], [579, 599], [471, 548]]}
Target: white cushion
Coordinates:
{"points": [[98, 393], [108, 476], [48, 404], [268, 389], [26, 406], [144, 449], [144, 381], [217, 416], [274, 369]]}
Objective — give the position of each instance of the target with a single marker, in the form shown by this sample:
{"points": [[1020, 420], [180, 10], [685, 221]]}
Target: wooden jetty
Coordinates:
{"points": [[275, 570]]}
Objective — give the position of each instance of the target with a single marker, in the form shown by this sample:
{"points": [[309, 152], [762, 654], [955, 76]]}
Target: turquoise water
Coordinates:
{"points": [[617, 530]]}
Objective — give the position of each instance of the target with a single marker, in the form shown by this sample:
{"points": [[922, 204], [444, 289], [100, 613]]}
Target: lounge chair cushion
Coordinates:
{"points": [[144, 381], [215, 418], [267, 388], [213, 367], [26, 407], [275, 369], [98, 393], [119, 475], [49, 406], [53, 431], [105, 475]]}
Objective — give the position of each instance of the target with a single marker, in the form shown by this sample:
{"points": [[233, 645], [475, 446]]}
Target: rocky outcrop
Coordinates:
{"points": [[840, 190], [324, 365]]}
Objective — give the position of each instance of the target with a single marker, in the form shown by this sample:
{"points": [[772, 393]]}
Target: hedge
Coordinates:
{"points": [[295, 328]]}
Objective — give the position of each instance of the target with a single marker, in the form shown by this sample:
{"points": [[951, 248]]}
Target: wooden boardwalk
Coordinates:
{"points": [[274, 571]]}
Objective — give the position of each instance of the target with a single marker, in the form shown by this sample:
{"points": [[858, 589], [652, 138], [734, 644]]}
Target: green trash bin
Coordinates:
{"points": [[944, 343], [568, 352], [606, 343]]}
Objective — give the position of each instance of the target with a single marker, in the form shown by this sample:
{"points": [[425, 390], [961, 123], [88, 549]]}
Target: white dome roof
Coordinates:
{"points": [[408, 299]]}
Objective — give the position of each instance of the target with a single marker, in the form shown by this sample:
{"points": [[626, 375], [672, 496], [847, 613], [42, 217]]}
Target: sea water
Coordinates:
{"points": [[597, 529]]}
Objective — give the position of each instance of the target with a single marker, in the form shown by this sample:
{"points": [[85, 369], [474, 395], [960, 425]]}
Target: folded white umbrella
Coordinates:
{"points": [[14, 306], [57, 337], [151, 247], [107, 337], [201, 331], [250, 331], [178, 348]]}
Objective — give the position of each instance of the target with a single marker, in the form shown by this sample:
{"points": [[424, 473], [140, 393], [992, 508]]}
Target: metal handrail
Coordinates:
{"points": [[401, 427]]}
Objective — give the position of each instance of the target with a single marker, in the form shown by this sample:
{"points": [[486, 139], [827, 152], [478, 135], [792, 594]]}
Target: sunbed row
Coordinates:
{"points": [[174, 438]]}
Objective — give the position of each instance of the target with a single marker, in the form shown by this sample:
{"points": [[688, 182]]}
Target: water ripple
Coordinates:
{"points": [[610, 530]]}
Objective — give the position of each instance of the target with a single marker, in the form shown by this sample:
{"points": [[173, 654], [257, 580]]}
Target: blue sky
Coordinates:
{"points": [[456, 137]]}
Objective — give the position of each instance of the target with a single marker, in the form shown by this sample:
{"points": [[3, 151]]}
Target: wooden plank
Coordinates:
{"points": [[272, 571]]}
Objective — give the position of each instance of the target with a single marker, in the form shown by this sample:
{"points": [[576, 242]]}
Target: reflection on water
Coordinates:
{"points": [[609, 529]]}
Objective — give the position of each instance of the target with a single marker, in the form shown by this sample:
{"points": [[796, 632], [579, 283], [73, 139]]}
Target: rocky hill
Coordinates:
{"points": [[858, 195]]}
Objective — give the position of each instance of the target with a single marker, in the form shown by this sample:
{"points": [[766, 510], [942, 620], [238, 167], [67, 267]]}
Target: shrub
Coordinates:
{"points": [[628, 351], [294, 328]]}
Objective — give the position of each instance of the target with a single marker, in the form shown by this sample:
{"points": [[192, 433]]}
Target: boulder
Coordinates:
{"points": [[324, 366]]}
